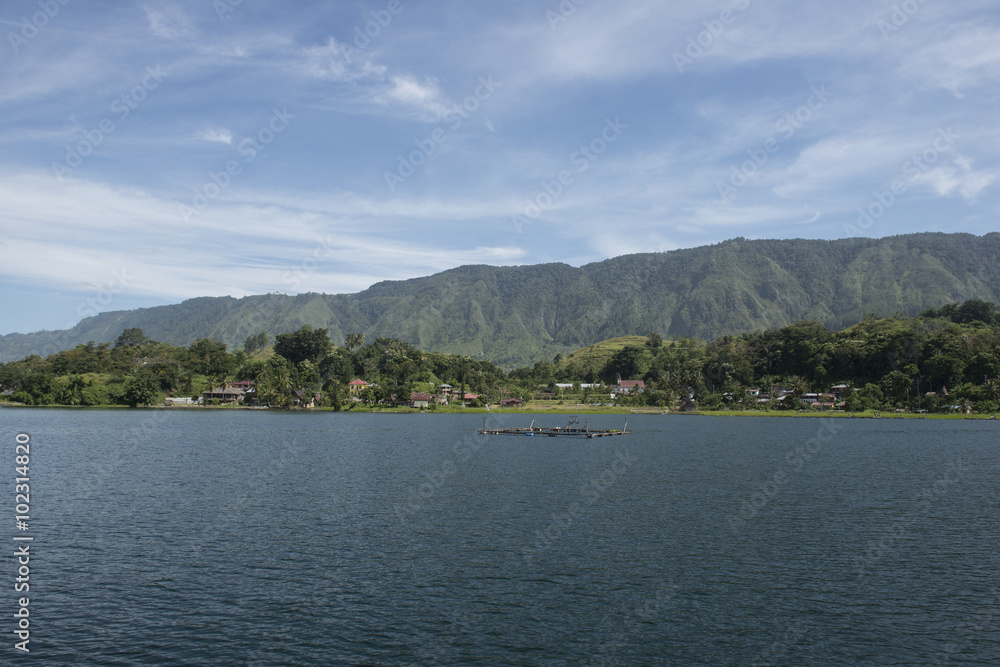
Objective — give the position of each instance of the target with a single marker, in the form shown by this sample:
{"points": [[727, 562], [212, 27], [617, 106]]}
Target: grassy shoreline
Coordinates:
{"points": [[563, 410], [867, 414]]}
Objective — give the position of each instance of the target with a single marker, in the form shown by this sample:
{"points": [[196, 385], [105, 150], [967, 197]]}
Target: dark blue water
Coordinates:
{"points": [[262, 538]]}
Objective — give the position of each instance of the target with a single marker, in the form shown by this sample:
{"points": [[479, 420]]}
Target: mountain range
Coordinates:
{"points": [[516, 315]]}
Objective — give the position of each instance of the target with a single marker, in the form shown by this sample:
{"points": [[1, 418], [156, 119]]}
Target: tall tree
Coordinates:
{"points": [[305, 344], [255, 342], [140, 390], [274, 381], [975, 310], [209, 357], [354, 340], [131, 338]]}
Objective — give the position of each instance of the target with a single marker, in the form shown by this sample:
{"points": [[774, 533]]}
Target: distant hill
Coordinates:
{"points": [[591, 359], [600, 352], [515, 316]]}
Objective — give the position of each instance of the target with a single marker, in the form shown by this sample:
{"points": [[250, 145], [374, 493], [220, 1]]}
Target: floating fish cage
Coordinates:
{"points": [[572, 429]]}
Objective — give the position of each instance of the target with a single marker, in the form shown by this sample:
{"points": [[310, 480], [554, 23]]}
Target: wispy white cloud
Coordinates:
{"points": [[961, 179], [222, 136], [339, 62], [168, 20], [426, 96], [351, 255], [373, 83], [967, 59], [358, 110]]}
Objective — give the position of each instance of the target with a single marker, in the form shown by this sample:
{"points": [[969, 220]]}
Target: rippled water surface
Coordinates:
{"points": [[263, 538]]}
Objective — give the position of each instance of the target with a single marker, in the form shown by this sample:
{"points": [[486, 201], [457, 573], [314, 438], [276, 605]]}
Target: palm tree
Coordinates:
{"points": [[185, 381], [992, 388], [273, 383], [282, 380], [354, 340], [263, 386], [798, 385]]}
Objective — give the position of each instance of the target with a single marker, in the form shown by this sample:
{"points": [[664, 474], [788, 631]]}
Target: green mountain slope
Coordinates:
{"points": [[517, 315]]}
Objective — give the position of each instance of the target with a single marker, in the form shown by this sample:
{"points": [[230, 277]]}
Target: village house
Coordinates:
{"points": [[628, 387], [179, 400], [298, 397], [223, 395], [356, 387], [827, 401], [301, 399], [396, 400], [420, 400]]}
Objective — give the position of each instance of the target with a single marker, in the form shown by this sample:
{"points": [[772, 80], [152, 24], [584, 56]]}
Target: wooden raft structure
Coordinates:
{"points": [[572, 429]]}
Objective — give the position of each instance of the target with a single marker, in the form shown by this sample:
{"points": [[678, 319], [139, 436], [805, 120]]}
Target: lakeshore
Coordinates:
{"points": [[561, 410]]}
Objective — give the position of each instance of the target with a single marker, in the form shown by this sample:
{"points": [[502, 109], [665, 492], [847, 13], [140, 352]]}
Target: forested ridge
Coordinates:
{"points": [[947, 358], [518, 315]]}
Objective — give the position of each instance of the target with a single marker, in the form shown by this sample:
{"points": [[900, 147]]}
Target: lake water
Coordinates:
{"points": [[266, 538]]}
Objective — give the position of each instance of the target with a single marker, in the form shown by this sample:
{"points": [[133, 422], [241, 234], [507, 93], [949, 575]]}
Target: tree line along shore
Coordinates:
{"points": [[945, 361]]}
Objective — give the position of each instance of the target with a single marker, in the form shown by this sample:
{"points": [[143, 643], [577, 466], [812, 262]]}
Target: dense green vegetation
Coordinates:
{"points": [[138, 371], [515, 316], [948, 358], [887, 363]]}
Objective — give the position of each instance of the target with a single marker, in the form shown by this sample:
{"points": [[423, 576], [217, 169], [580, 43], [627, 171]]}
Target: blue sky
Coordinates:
{"points": [[156, 151]]}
